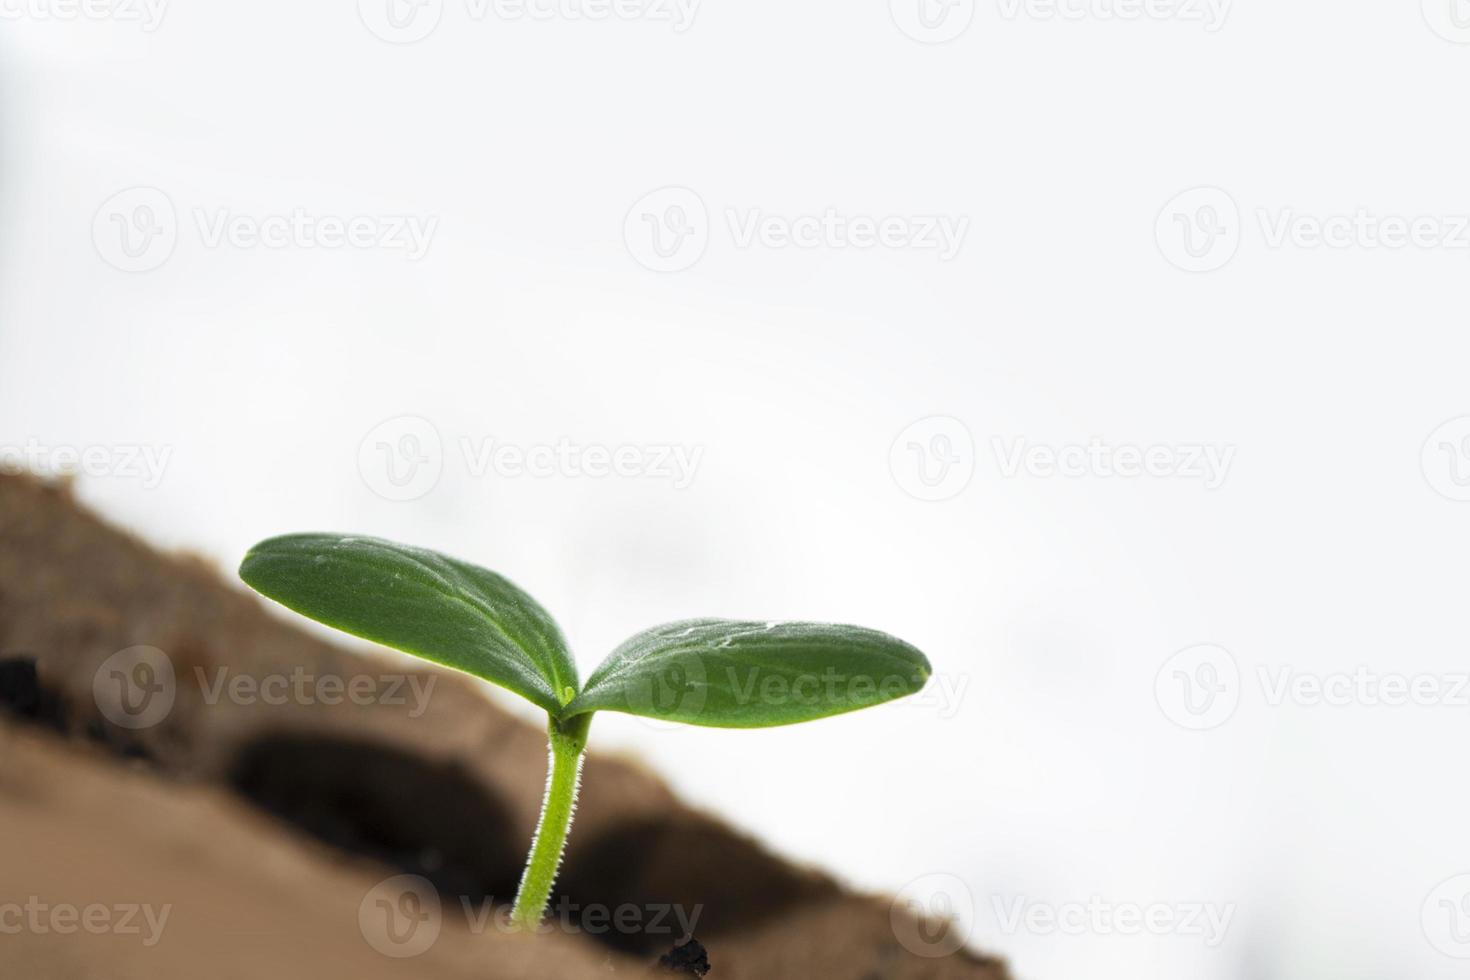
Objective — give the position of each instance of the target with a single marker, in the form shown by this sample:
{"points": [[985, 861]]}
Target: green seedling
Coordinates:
{"points": [[714, 672]]}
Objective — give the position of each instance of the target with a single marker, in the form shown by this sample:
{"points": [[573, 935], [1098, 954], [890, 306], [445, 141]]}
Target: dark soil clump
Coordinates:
{"points": [[686, 960]]}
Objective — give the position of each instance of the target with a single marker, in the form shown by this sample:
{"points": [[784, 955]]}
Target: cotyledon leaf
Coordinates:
{"points": [[420, 602], [732, 674]]}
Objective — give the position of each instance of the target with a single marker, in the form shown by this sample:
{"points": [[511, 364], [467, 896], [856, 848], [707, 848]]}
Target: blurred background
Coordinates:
{"points": [[1113, 354]]}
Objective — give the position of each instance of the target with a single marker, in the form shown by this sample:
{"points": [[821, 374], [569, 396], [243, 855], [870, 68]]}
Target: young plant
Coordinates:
{"points": [[715, 672]]}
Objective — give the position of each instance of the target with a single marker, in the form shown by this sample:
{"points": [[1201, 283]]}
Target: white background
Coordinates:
{"points": [[1051, 603]]}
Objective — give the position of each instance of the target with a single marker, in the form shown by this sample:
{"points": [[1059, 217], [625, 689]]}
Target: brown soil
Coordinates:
{"points": [[265, 828]]}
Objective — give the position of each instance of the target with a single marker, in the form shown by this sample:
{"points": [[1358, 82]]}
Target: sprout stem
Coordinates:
{"points": [[564, 771]]}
